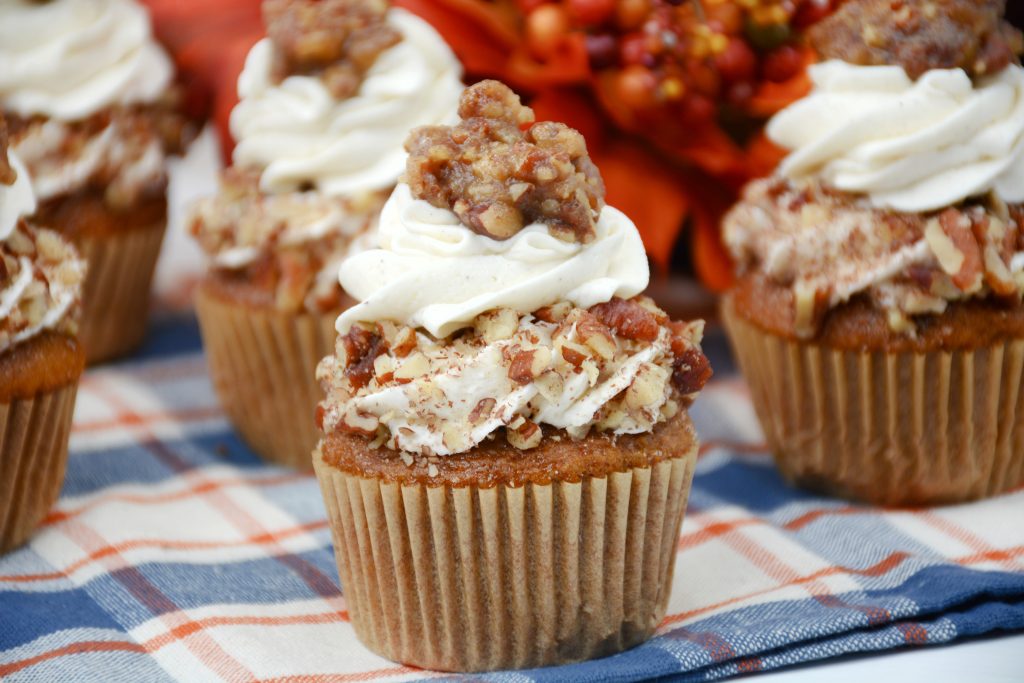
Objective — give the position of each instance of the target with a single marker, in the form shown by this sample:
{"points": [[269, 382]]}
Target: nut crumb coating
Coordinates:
{"points": [[498, 177], [920, 35], [7, 173], [337, 40]]}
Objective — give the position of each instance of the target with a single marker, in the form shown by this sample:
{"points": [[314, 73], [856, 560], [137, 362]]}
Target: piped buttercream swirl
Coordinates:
{"points": [[68, 59], [16, 200], [910, 146], [299, 134], [430, 271]]}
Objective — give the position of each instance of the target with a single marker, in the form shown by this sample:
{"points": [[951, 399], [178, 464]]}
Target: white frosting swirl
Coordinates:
{"points": [[911, 146], [16, 200], [68, 59], [299, 133], [432, 272]]}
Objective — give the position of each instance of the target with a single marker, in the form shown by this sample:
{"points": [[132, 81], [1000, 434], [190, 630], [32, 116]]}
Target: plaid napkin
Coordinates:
{"points": [[174, 554]]}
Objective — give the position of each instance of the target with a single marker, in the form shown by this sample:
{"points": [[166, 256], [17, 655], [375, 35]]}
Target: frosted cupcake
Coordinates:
{"points": [[325, 103], [878, 313], [40, 357], [88, 98], [505, 420]]}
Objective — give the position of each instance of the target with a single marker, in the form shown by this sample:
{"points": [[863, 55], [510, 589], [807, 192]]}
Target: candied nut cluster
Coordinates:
{"points": [[335, 40], [920, 35], [828, 246], [39, 272], [624, 363], [286, 245], [499, 178], [119, 151]]}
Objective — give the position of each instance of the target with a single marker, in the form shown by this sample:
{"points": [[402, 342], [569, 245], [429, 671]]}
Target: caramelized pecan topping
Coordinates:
{"points": [[499, 178], [920, 35], [336, 40], [361, 349]]}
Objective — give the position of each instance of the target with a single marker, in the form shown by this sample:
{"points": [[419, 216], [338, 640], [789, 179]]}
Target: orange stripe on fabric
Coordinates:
{"points": [[184, 415], [350, 678], [877, 569], [135, 544], [745, 447], [195, 626], [72, 649], [194, 490], [148, 595]]}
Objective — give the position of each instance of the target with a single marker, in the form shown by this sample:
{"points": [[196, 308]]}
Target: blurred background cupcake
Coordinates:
{"points": [[877, 315], [326, 100], [92, 113], [41, 358]]}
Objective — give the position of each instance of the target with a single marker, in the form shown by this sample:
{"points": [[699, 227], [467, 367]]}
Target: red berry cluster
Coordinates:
{"points": [[687, 57]]}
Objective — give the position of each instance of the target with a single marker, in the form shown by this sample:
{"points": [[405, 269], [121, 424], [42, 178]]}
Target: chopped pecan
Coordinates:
{"points": [[628, 318], [524, 435], [482, 410], [920, 35], [361, 350], [337, 40], [526, 366], [7, 172], [691, 370], [498, 178], [959, 254]]}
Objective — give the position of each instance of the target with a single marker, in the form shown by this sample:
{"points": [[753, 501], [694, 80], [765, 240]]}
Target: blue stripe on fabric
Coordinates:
{"points": [[24, 617], [135, 595]]}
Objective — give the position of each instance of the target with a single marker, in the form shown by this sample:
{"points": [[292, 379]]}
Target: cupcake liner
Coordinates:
{"points": [[263, 366], [888, 428], [116, 291], [479, 579], [33, 453]]}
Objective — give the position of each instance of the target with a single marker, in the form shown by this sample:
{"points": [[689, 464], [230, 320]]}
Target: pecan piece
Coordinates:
{"points": [[629, 319], [361, 350]]}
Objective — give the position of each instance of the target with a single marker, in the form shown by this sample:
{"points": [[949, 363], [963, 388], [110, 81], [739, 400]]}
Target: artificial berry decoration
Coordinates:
{"points": [[672, 60]]}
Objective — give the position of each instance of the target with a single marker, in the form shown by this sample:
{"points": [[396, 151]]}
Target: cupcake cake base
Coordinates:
{"points": [[121, 249], [498, 558], [38, 385], [263, 365], [910, 427]]}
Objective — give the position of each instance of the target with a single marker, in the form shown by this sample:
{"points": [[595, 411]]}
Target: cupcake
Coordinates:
{"points": [[88, 99], [507, 453], [40, 357], [877, 314], [326, 100]]}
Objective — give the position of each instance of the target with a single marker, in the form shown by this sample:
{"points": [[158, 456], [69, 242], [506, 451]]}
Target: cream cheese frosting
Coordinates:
{"points": [[430, 271], [299, 134], [467, 393], [68, 59], [909, 146], [16, 200], [41, 286]]}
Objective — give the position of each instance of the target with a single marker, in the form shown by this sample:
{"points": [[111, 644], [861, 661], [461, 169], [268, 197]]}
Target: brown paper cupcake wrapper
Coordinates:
{"points": [[478, 579], [888, 428], [116, 291], [263, 366], [33, 453]]}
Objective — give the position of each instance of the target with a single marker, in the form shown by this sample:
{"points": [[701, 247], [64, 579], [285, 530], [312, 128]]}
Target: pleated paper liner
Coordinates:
{"points": [[263, 366], [116, 291], [33, 454], [887, 428], [479, 579]]}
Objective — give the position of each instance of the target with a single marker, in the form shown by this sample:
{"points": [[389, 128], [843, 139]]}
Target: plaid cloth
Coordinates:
{"points": [[174, 554]]}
